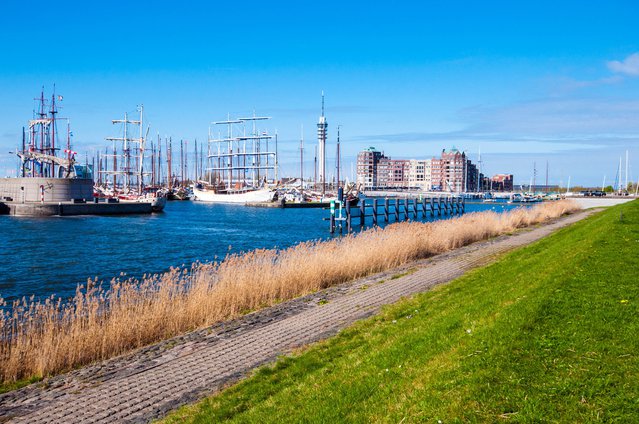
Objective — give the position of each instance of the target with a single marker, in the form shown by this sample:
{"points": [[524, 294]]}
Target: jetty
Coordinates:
{"points": [[344, 216], [288, 205], [41, 196], [70, 208]]}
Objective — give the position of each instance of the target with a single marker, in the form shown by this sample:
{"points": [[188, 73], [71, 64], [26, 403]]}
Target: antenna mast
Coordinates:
{"points": [[322, 126]]}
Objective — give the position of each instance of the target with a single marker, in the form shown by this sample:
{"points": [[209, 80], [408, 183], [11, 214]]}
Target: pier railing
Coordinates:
{"points": [[373, 211]]}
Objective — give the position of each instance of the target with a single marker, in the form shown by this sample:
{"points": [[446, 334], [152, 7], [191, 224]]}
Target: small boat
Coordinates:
{"points": [[157, 200], [179, 193]]}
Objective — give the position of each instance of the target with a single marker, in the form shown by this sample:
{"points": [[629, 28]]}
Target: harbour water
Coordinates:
{"points": [[46, 256]]}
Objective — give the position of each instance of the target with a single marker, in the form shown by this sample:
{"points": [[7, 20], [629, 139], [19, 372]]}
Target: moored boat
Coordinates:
{"points": [[240, 166], [211, 195], [125, 180]]}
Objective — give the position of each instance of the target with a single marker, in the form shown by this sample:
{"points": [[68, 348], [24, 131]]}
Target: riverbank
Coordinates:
{"points": [[62, 252], [40, 338], [182, 369], [548, 333]]}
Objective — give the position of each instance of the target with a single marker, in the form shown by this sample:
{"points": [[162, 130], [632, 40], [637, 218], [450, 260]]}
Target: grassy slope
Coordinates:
{"points": [[549, 333]]}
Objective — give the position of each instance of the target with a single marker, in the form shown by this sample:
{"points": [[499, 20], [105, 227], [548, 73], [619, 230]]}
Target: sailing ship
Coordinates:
{"points": [[241, 168], [124, 180], [177, 189], [44, 174]]}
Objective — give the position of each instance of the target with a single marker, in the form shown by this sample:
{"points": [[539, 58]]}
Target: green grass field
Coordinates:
{"points": [[548, 333]]}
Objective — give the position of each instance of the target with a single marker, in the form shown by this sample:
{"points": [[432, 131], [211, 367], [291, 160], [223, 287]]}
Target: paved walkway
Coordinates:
{"points": [[149, 383], [601, 202]]}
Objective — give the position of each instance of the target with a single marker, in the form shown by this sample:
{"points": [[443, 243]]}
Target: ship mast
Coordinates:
{"points": [[38, 155], [132, 151], [181, 163], [239, 157], [142, 147], [302, 163], [276, 174], [169, 157]]}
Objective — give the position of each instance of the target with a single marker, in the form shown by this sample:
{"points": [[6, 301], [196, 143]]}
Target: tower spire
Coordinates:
{"points": [[322, 126]]}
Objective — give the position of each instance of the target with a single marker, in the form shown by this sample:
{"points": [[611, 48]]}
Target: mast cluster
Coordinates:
{"points": [[127, 163], [39, 151], [241, 159]]}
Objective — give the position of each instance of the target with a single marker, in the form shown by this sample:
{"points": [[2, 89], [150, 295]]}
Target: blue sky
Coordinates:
{"points": [[525, 82]]}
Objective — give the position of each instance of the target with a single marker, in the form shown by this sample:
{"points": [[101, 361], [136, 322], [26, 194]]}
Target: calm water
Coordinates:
{"points": [[44, 256]]}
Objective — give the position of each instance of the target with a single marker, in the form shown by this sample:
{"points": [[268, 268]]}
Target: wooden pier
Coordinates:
{"points": [[373, 211], [288, 205]]}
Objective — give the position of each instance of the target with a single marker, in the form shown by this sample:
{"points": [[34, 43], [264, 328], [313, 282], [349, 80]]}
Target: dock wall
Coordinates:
{"points": [[23, 190], [68, 209]]}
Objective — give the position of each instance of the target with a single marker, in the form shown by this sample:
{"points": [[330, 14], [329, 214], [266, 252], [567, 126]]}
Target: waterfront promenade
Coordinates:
{"points": [[156, 379]]}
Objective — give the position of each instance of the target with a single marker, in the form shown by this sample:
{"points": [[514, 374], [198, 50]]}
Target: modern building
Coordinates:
{"points": [[473, 177], [398, 171], [451, 172], [501, 182], [419, 174], [367, 167], [374, 170]]}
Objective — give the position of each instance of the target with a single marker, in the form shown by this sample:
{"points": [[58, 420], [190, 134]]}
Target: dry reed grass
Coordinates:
{"points": [[45, 337]]}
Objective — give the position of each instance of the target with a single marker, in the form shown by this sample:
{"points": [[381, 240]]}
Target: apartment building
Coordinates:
{"points": [[502, 182], [451, 172], [419, 174], [368, 167]]}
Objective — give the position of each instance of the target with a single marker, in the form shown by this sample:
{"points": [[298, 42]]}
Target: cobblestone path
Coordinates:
{"points": [[152, 381]]}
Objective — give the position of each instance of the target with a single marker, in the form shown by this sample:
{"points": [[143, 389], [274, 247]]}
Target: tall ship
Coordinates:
{"points": [[122, 172], [48, 171], [241, 168]]}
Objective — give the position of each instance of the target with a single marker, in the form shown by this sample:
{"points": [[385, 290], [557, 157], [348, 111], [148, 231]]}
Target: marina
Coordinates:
{"points": [[339, 212], [125, 239]]}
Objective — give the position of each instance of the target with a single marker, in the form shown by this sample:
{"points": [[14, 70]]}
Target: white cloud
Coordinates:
{"points": [[629, 66], [546, 126]]}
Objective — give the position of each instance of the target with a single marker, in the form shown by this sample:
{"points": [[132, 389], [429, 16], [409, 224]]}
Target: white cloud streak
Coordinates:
{"points": [[628, 66]]}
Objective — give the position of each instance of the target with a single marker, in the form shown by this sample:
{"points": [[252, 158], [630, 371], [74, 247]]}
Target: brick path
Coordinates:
{"points": [[149, 383]]}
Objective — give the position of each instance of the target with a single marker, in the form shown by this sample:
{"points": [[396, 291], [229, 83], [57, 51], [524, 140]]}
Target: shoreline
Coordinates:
{"points": [[35, 400]]}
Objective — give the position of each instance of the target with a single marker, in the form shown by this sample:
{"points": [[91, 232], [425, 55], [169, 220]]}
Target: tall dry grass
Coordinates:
{"points": [[45, 337]]}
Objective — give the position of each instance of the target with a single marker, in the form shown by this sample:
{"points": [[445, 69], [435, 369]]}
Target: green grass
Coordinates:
{"points": [[549, 333], [8, 387], [403, 274]]}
